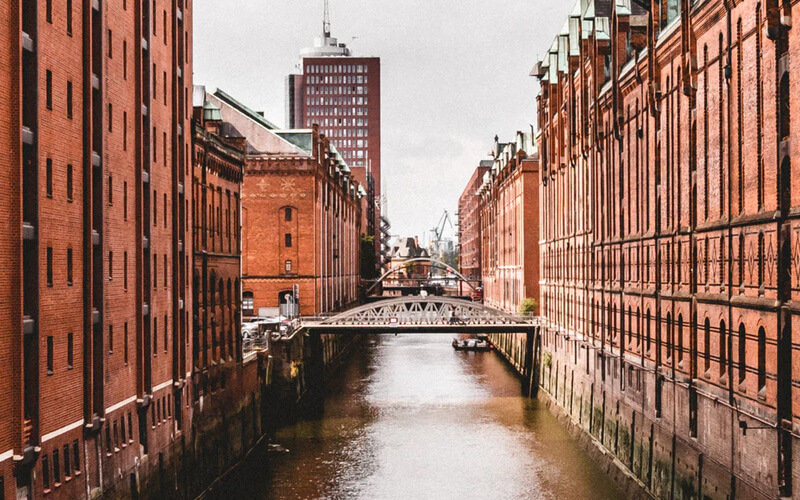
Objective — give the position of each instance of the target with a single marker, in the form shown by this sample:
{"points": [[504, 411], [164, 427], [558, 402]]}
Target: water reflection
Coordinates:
{"points": [[408, 417]]}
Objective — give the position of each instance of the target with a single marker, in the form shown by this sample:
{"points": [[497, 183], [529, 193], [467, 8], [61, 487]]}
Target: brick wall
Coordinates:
{"points": [[668, 239]]}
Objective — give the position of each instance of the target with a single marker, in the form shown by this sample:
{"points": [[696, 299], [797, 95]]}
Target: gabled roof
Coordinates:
{"points": [[228, 99]]}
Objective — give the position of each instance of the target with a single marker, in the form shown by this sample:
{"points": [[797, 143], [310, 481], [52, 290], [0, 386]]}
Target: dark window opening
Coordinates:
{"points": [[50, 355], [287, 239]]}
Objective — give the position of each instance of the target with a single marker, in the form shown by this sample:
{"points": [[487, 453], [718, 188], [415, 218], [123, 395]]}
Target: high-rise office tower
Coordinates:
{"points": [[342, 94]]}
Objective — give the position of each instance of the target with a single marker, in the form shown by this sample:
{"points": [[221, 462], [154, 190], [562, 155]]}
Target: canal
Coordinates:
{"points": [[408, 417]]}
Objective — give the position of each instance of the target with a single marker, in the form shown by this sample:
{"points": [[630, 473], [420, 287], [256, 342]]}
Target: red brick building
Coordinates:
{"points": [[96, 109], [509, 205], [670, 240], [301, 217], [469, 224], [95, 311], [218, 173]]}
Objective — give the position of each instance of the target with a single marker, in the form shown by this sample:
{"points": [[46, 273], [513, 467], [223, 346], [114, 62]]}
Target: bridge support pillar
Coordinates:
{"points": [[530, 372], [315, 361]]}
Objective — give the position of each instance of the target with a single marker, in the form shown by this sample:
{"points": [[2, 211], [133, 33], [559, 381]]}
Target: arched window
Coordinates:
{"points": [[638, 327], [212, 312], [760, 259], [742, 345], [741, 259], [669, 338], [222, 324], [762, 362], [723, 349], [232, 313], [707, 345], [680, 340]]}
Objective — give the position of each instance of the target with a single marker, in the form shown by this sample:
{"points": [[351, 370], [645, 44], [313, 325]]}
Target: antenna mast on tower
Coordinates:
{"points": [[326, 22]]}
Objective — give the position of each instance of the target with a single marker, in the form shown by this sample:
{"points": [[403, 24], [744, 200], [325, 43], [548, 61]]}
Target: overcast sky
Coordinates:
{"points": [[454, 74]]}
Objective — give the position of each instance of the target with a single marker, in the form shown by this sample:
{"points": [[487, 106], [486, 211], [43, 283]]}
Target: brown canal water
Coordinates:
{"points": [[407, 417]]}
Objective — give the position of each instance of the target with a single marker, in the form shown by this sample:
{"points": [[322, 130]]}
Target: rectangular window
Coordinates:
{"points": [[110, 266], [67, 467], [46, 473], [110, 45], [56, 468], [165, 87], [49, 11], [130, 428], [122, 431], [50, 266], [288, 215], [69, 17], [76, 455], [166, 333], [110, 190], [111, 339], [287, 266], [155, 271], [69, 100], [125, 342], [50, 355], [49, 176], [70, 351], [155, 336], [287, 240], [164, 26], [110, 117], [124, 130], [165, 209], [69, 182], [124, 59], [125, 270], [116, 437], [155, 208], [69, 267], [49, 90], [164, 146], [125, 200], [165, 271]]}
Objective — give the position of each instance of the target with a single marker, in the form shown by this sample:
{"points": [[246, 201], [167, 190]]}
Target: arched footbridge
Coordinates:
{"points": [[422, 315]]}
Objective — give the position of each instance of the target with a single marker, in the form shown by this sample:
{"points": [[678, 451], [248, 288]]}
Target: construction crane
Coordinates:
{"points": [[438, 232]]}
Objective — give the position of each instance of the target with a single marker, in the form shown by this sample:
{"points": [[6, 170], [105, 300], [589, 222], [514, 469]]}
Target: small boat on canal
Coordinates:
{"points": [[471, 345]]}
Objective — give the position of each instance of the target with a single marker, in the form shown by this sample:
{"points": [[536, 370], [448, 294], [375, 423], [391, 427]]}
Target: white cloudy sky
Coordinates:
{"points": [[455, 73]]}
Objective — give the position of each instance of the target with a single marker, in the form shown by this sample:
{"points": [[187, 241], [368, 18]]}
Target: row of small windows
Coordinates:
{"points": [[71, 466], [338, 101], [336, 68], [122, 434], [346, 79], [337, 111], [673, 343], [343, 122], [334, 90]]}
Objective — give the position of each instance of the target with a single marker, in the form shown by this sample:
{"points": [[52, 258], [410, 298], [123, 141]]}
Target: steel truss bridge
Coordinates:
{"points": [[421, 315]]}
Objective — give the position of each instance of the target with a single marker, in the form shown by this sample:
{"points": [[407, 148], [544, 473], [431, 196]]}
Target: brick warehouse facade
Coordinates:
{"points": [[509, 204], [95, 316], [671, 240], [469, 224], [301, 216]]}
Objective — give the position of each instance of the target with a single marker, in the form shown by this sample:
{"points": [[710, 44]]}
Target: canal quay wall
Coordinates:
{"points": [[300, 364], [646, 456]]}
